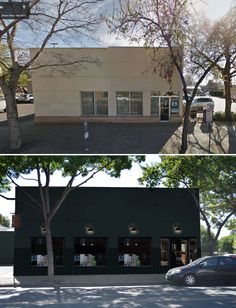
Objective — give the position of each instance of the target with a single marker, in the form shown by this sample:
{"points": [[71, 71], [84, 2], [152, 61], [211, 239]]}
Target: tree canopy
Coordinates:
{"points": [[214, 176]]}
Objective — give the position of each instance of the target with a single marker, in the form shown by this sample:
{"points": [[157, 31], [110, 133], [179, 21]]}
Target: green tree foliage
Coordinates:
{"points": [[205, 241], [77, 169], [227, 244], [220, 38], [214, 176], [4, 221]]}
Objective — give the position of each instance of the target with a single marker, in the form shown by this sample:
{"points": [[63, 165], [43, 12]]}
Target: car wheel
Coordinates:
{"points": [[190, 280]]}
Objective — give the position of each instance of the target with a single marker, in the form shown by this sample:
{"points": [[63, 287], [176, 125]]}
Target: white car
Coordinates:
{"points": [[2, 105], [25, 98], [199, 102]]}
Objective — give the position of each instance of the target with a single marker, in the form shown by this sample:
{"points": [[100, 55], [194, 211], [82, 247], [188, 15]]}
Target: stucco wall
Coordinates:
{"points": [[57, 90]]}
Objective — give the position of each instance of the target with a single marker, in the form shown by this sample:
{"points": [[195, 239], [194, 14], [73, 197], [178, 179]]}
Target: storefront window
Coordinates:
{"points": [[90, 252], [136, 99], [87, 103], [134, 252], [193, 250], [174, 103], [101, 103], [94, 103], [122, 100], [155, 101], [39, 251], [165, 251], [129, 103]]}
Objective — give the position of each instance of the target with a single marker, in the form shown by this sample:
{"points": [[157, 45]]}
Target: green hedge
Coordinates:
{"points": [[220, 116], [217, 93]]}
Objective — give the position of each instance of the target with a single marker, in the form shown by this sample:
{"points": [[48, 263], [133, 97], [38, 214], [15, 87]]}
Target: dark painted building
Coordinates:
{"points": [[7, 245], [109, 230]]}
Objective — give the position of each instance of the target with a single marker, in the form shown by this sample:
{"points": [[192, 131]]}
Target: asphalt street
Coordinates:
{"points": [[114, 297]]}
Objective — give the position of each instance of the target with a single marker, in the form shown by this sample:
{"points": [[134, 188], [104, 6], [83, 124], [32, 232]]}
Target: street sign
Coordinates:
{"points": [[14, 10]]}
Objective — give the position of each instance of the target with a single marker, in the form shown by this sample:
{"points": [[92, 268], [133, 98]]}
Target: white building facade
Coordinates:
{"points": [[114, 84]]}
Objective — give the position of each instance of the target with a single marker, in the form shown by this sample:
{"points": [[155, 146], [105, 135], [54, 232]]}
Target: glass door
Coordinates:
{"points": [[165, 109], [179, 252]]}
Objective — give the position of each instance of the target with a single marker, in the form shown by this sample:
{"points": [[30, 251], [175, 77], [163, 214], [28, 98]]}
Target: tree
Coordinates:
{"points": [[57, 19], [220, 38], [226, 244], [4, 221], [214, 176], [169, 24], [204, 241], [78, 169]]}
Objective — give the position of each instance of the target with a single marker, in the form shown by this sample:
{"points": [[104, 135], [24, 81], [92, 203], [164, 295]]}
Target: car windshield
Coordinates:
{"points": [[196, 262], [203, 100]]}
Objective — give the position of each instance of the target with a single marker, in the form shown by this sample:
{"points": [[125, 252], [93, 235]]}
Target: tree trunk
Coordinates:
{"points": [[228, 101], [184, 144], [50, 254], [212, 246], [12, 119]]}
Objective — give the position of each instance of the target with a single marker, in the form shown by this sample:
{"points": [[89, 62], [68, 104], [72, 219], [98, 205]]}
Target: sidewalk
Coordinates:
{"points": [[7, 280]]}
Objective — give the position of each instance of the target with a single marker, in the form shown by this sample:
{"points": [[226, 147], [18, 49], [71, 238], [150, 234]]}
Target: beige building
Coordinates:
{"points": [[114, 84]]}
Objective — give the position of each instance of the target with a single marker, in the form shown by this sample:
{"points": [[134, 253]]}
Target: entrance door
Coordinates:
{"points": [[179, 252], [165, 109]]}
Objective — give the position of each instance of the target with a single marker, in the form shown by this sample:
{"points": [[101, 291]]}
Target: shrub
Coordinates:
{"points": [[220, 116]]}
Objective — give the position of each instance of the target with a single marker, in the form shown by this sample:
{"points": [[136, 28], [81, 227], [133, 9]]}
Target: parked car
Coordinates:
{"points": [[2, 105], [200, 101], [25, 98], [219, 269]]}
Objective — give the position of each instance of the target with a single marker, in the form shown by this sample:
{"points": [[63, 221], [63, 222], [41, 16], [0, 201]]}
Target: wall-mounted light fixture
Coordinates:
{"points": [[177, 229], [133, 229], [43, 229], [89, 229]]}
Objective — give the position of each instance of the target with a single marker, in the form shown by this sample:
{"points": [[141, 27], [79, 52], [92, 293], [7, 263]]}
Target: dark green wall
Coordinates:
{"points": [[110, 211], [7, 247]]}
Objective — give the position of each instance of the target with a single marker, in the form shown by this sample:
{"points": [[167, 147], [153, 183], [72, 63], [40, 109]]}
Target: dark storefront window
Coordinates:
{"points": [[39, 251], [193, 250], [178, 251], [90, 251], [165, 251], [134, 251]]}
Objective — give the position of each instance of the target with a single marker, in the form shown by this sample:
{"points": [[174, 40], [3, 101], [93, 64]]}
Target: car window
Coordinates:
{"points": [[203, 100], [227, 261], [209, 262]]}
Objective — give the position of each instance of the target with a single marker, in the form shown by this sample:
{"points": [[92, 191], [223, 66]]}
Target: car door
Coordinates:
{"points": [[227, 269], [208, 270]]}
